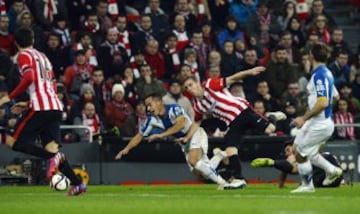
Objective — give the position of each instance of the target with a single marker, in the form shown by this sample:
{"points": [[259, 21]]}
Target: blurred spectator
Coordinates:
{"points": [[280, 72], [154, 58], [239, 48], [171, 56], [262, 94], [175, 96], [180, 32], [296, 30], [78, 10], [317, 8], [141, 114], [288, 12], [104, 19], [312, 39], [5, 68], [112, 57], [125, 38], [304, 71], [356, 85], [44, 12], [60, 27], [209, 36], [101, 88], [185, 72], [136, 61], [251, 61], [145, 32], [7, 42], [290, 108], [230, 64], [293, 93], [88, 118], [119, 113], [293, 53], [190, 59], [63, 97], [243, 9], [202, 50], [148, 83], [57, 54], [340, 68], [345, 92], [214, 58], [338, 44], [231, 31], [237, 90], [76, 74], [25, 19], [84, 42], [263, 25], [91, 24], [160, 20], [344, 115], [218, 10], [87, 94], [320, 27], [15, 9], [214, 72], [182, 7], [128, 81]]}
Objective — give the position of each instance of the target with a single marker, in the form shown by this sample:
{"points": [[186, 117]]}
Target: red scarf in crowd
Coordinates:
{"points": [[135, 68], [2, 7], [50, 9], [113, 9], [92, 122], [302, 9], [174, 56], [345, 118], [201, 10], [124, 41]]}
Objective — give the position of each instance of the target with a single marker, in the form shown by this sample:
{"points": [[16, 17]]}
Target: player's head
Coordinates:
{"points": [[154, 104], [289, 148], [193, 86], [320, 52], [24, 37]]}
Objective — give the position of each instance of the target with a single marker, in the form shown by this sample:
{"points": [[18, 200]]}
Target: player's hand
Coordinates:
{"points": [[257, 70], [181, 140], [19, 107], [298, 122], [4, 99], [261, 162], [123, 152], [153, 137]]}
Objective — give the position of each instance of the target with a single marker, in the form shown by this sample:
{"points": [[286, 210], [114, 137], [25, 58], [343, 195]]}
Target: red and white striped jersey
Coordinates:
{"points": [[42, 89], [218, 101]]}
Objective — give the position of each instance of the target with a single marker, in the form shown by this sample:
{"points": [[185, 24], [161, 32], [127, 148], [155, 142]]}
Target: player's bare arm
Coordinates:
{"points": [[134, 142], [4, 100], [177, 127], [321, 104], [194, 126], [19, 107], [243, 74]]}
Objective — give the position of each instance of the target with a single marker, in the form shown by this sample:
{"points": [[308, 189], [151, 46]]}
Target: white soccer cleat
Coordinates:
{"points": [[304, 189], [236, 184], [329, 179], [218, 152], [277, 114]]}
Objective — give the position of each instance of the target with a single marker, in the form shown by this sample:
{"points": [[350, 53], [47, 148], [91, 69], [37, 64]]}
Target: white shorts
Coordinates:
{"points": [[312, 135], [198, 141]]}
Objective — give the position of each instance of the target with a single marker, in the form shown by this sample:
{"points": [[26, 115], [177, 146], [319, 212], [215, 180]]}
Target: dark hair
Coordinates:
{"points": [[153, 95], [24, 37], [320, 52], [192, 77], [279, 48], [98, 68]]}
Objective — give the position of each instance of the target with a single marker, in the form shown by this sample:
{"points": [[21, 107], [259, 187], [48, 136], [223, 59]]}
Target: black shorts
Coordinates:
{"points": [[248, 122], [43, 124]]}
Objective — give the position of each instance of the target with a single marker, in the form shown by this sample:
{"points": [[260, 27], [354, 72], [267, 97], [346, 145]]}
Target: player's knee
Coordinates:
{"points": [[52, 147], [10, 141], [299, 158], [230, 151]]}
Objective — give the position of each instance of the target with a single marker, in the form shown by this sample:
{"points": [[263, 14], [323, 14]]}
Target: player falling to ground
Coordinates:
{"points": [[316, 124], [172, 121], [213, 98], [44, 110], [289, 166]]}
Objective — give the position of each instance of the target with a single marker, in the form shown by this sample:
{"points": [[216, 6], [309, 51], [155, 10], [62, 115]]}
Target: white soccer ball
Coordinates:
{"points": [[59, 182]]}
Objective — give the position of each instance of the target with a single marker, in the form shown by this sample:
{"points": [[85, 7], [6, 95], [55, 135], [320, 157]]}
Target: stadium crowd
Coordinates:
{"points": [[107, 55]]}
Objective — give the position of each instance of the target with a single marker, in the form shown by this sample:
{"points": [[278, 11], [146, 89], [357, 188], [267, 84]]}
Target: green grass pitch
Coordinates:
{"points": [[187, 199]]}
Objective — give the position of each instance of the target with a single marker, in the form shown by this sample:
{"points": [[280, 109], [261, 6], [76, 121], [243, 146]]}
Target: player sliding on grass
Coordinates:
{"points": [[289, 166], [172, 121], [44, 111], [213, 98]]}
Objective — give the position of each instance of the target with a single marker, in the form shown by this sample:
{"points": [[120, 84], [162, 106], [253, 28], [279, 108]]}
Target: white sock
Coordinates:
{"points": [[305, 172], [207, 171], [215, 160], [319, 161]]}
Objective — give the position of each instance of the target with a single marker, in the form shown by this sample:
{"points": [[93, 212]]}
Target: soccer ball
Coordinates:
{"points": [[59, 182]]}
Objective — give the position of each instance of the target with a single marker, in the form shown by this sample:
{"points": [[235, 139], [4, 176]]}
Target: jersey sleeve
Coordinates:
{"points": [[147, 127], [177, 111], [24, 63], [320, 85], [215, 84]]}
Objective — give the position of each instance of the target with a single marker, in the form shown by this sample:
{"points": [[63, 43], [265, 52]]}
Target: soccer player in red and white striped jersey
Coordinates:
{"points": [[44, 110], [212, 97]]}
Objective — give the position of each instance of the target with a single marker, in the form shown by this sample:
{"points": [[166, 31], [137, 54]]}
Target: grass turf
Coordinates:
{"points": [[264, 198]]}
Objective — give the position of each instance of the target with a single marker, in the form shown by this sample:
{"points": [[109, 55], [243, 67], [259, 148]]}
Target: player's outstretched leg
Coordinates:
{"points": [[305, 172]]}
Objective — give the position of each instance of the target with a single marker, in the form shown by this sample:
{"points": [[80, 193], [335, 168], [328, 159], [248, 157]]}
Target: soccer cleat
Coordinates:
{"points": [[261, 162], [217, 151], [77, 190], [54, 163], [329, 179], [278, 115], [235, 184], [304, 189]]}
